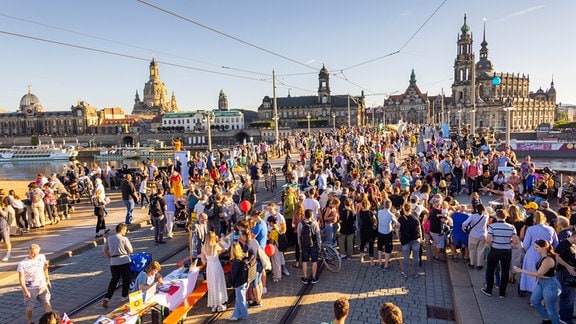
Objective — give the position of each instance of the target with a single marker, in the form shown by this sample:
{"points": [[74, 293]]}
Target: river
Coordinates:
{"points": [[29, 170]]}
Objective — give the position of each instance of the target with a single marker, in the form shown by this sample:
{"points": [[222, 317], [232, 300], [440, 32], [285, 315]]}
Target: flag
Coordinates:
{"points": [[66, 319]]}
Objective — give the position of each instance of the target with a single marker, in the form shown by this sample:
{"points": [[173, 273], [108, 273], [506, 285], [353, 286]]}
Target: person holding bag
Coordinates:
{"points": [[547, 287], [476, 236], [331, 225], [238, 282], [566, 257]]}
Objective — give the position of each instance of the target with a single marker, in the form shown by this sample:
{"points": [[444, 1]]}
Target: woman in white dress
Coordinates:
{"points": [[217, 295]]}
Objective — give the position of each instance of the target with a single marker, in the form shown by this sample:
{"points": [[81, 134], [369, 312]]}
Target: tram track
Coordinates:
{"points": [[101, 295], [290, 314]]}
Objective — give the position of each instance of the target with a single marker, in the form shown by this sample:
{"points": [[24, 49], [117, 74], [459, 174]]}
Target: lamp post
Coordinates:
{"points": [[208, 116], [308, 117], [334, 121], [508, 109], [459, 120], [348, 110]]}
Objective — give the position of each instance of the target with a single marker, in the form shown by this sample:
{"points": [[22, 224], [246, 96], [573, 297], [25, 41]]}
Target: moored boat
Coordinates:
{"points": [[37, 153], [549, 148]]}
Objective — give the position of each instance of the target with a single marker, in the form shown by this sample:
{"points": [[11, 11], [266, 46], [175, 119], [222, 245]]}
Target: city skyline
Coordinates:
{"points": [[371, 47]]}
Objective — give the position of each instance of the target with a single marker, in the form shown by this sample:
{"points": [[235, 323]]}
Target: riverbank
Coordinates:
{"points": [[19, 186]]}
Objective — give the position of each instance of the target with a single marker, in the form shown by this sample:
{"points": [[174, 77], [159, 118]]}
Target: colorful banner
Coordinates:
{"points": [[533, 147]]}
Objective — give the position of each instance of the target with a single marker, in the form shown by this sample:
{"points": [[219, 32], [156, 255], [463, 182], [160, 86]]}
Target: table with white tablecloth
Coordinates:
{"points": [[178, 285]]}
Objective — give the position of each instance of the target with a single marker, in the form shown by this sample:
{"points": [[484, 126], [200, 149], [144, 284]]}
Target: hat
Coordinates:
{"points": [[490, 211], [301, 196], [531, 205]]}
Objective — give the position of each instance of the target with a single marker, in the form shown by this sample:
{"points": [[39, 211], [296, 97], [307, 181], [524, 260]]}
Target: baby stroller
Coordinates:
{"points": [[180, 217], [138, 262], [85, 187], [63, 205]]}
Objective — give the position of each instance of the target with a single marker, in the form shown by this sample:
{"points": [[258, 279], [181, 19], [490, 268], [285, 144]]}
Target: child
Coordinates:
{"points": [[273, 235], [530, 181]]}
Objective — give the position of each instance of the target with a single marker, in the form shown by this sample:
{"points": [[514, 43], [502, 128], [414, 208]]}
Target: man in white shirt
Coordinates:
{"points": [[321, 181], [311, 203], [386, 223], [34, 280]]}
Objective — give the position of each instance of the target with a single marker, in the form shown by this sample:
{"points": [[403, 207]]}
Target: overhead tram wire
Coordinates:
{"points": [[239, 40], [130, 45], [401, 47], [226, 35], [127, 55]]}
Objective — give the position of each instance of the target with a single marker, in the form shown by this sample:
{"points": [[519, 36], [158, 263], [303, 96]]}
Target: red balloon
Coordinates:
{"points": [[269, 249], [245, 206]]}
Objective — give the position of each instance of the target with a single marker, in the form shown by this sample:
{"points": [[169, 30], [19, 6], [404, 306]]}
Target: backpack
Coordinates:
{"points": [[155, 207], [266, 167], [34, 197], [306, 235], [248, 269], [95, 201], [282, 242]]}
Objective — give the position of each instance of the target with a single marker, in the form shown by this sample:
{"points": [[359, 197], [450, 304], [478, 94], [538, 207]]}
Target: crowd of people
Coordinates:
{"points": [[358, 189]]}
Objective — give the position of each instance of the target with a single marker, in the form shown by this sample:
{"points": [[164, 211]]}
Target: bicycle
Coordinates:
{"points": [[330, 257]]}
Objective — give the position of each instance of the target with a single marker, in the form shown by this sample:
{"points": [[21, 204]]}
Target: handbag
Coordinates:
{"points": [[469, 227], [264, 260], [568, 280]]}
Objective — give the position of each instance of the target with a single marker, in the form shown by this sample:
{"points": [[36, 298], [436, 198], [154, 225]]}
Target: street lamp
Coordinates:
{"points": [[308, 117], [208, 119], [459, 120], [276, 118], [508, 109], [334, 121]]}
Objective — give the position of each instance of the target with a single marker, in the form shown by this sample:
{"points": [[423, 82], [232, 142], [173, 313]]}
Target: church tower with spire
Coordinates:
{"points": [[463, 67], [324, 86], [494, 91], [222, 101]]}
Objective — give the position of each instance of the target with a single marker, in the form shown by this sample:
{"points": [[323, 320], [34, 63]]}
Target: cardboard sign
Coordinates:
{"points": [[136, 301]]}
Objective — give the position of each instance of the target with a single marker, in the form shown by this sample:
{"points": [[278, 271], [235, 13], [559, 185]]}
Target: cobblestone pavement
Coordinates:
{"points": [[78, 279], [366, 286]]}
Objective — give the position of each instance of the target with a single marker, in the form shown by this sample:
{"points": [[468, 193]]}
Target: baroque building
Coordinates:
{"points": [[156, 99], [31, 119], [323, 110], [411, 106], [482, 94]]}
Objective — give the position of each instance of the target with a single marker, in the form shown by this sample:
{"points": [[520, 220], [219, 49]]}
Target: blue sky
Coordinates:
{"points": [[524, 36]]}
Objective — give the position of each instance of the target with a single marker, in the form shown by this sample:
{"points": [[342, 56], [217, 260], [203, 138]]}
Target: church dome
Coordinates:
{"points": [[324, 71], [465, 28], [29, 99]]}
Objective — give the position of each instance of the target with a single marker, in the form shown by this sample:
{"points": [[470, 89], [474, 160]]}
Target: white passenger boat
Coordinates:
{"points": [[37, 153]]}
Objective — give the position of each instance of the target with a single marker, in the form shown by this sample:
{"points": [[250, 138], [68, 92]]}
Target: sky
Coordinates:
{"points": [[99, 51]]}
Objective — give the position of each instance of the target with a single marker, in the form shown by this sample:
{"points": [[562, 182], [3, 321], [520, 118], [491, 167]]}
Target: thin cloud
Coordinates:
{"points": [[522, 12]]}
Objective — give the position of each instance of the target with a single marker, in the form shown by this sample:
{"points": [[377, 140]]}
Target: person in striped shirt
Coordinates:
{"points": [[499, 239]]}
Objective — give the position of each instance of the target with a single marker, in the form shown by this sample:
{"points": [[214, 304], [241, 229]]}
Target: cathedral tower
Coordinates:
{"points": [[324, 86], [463, 67]]}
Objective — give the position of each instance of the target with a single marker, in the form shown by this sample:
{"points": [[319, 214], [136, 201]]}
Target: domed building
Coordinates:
{"points": [[156, 101], [32, 119]]}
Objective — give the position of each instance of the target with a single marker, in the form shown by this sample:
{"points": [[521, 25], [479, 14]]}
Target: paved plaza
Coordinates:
{"points": [[440, 289]]}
